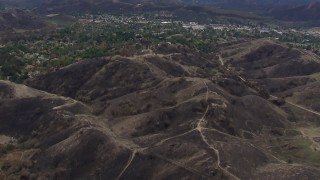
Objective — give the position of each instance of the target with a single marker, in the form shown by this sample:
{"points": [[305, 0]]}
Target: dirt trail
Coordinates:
{"points": [[169, 138], [183, 167], [300, 107], [68, 104], [128, 164], [221, 60], [309, 110]]}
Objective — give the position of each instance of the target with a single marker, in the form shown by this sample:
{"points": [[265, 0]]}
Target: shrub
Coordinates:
{"points": [[6, 149]]}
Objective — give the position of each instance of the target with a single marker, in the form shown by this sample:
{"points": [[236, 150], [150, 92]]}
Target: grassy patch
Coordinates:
{"points": [[297, 145], [305, 152], [292, 133]]}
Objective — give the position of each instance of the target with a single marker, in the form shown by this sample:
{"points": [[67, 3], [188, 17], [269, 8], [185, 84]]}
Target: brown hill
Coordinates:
{"points": [[158, 116], [266, 59], [285, 72], [110, 6]]}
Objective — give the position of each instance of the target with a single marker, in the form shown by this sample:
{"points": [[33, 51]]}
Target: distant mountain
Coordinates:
{"points": [[306, 12], [20, 19], [76, 6], [229, 3], [280, 9], [20, 3]]}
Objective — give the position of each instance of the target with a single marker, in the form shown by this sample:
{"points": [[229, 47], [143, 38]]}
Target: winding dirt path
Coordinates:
{"points": [[200, 127]]}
